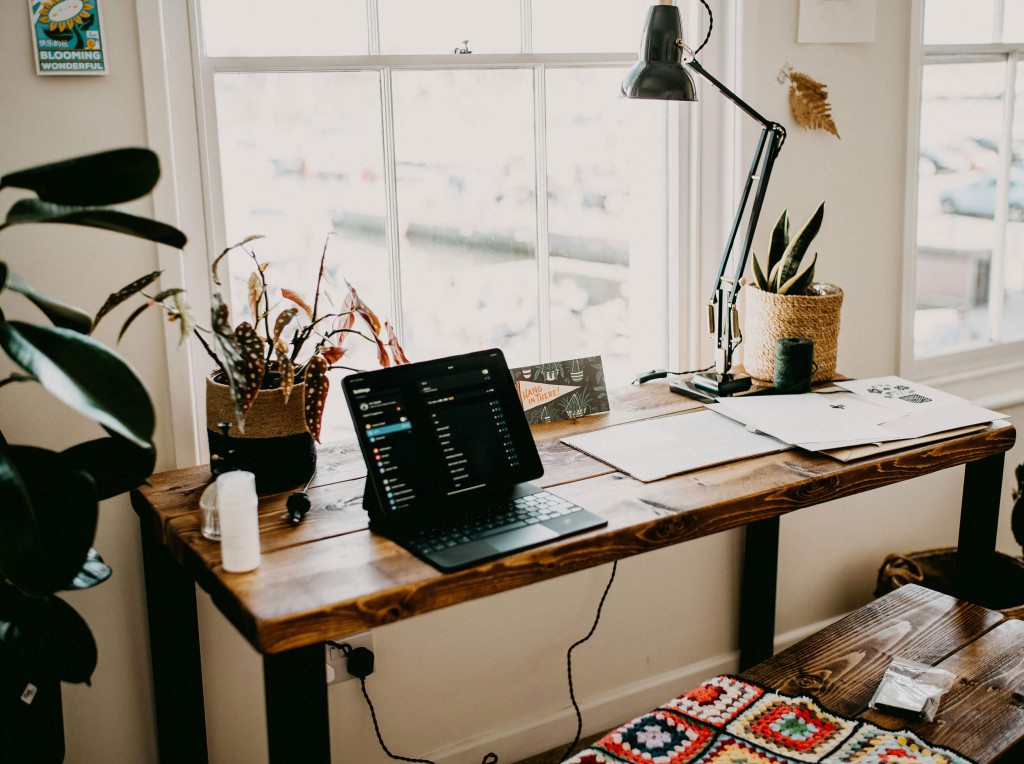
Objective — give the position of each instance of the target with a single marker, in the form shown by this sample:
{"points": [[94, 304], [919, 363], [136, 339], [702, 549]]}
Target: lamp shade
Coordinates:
{"points": [[660, 74]]}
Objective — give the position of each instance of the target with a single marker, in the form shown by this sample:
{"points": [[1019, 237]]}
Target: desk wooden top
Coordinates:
{"points": [[330, 575]]}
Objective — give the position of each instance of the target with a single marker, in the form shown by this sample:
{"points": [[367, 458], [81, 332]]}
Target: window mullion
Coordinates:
{"points": [[391, 198], [526, 25], [540, 130], [996, 293], [372, 28]]}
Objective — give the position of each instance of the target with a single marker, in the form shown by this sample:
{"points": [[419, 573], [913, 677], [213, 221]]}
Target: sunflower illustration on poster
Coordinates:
{"points": [[67, 36]]}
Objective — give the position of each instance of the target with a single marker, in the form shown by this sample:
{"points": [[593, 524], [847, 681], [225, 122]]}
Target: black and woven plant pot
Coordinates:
{"points": [[276, 447]]}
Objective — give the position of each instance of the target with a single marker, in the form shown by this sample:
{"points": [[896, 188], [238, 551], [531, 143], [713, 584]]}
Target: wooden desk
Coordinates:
{"points": [[330, 576]]}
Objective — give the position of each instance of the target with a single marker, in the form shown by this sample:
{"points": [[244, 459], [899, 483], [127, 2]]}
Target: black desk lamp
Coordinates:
{"points": [[660, 74]]}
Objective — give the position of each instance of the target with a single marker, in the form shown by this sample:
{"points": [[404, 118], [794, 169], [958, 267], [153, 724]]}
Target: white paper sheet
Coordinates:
{"points": [[656, 448]]}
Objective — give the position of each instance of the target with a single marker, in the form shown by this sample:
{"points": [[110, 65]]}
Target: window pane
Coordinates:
{"points": [[415, 26], [958, 22], [271, 28], [575, 26], [1013, 260], [467, 212], [596, 144], [1013, 21], [961, 108], [296, 165]]}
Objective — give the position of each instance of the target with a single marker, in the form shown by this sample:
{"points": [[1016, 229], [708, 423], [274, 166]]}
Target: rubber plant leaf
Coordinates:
{"points": [[285, 368], [798, 246], [49, 520], [94, 571], [252, 358], [116, 465], [229, 353], [779, 240], [802, 279], [107, 218], [60, 314], [123, 294], [110, 177], [759, 278], [85, 375], [317, 385], [44, 638]]}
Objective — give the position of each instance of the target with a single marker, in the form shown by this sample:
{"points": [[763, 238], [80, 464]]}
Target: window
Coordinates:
{"points": [[499, 197], [969, 255]]}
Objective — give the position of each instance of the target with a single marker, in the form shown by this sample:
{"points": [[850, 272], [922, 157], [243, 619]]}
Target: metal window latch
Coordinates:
{"points": [[464, 49]]}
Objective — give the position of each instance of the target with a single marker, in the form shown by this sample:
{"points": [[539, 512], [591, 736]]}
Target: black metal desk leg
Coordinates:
{"points": [[757, 592], [979, 520], [174, 653], [295, 684]]}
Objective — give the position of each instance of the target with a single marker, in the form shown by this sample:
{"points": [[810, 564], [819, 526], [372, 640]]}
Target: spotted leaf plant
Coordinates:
{"points": [[283, 341], [789, 271]]}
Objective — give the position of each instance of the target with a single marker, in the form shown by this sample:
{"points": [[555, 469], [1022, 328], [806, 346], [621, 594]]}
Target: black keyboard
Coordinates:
{"points": [[517, 513]]}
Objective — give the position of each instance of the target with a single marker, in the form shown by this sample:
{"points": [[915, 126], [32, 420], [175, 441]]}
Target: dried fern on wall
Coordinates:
{"points": [[808, 100]]}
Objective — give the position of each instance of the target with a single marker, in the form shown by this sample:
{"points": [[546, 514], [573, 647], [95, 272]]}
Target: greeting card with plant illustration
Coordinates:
{"points": [[562, 389]]}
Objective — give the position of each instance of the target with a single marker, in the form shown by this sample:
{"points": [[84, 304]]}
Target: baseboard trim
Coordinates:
{"points": [[531, 736]]}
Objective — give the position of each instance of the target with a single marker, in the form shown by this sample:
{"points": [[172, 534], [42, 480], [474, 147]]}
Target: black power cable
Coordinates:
{"points": [[568, 660], [359, 663]]}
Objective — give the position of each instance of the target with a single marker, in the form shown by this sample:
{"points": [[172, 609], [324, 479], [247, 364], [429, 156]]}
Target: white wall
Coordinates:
{"points": [[490, 675]]}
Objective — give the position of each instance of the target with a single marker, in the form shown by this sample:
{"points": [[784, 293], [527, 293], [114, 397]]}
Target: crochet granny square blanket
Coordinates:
{"points": [[732, 721]]}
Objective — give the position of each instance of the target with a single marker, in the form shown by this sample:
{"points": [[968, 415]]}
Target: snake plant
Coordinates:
{"points": [[788, 273]]}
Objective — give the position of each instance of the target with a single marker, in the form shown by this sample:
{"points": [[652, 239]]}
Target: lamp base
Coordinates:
{"points": [[722, 384]]}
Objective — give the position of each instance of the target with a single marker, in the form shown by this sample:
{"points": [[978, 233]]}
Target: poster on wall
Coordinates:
{"points": [[562, 390], [837, 21], [67, 36]]}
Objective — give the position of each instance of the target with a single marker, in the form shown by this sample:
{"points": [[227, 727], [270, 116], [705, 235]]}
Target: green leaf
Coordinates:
{"points": [[801, 279], [107, 218], [134, 314], [61, 314], [759, 279], [779, 241], [115, 464], [48, 520], [85, 375], [44, 638], [110, 177], [94, 572], [798, 247]]}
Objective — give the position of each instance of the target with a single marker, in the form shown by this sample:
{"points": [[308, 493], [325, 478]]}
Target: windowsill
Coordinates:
{"points": [[996, 386]]}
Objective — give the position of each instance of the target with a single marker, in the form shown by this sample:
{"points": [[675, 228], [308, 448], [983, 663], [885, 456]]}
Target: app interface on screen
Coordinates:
{"points": [[448, 434]]}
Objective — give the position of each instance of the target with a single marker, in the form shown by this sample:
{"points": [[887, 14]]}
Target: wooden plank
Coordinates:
{"points": [[842, 664], [982, 715]]}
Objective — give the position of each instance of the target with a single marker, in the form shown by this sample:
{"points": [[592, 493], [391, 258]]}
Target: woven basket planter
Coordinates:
{"points": [[935, 569], [276, 446], [770, 316]]}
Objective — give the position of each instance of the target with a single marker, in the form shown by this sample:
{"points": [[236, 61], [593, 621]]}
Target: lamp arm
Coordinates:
{"points": [[722, 317]]}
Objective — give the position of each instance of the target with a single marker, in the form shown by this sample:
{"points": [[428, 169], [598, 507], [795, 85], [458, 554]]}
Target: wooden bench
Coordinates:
{"points": [[982, 716]]}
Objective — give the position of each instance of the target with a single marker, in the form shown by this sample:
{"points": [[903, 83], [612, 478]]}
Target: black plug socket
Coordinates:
{"points": [[360, 662]]}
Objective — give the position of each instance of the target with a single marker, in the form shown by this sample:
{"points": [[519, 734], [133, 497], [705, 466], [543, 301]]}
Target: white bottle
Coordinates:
{"points": [[239, 521]]}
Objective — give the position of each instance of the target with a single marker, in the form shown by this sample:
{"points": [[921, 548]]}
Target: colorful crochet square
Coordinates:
{"points": [[717, 701], [871, 745], [591, 756], [794, 727], [729, 750], [660, 737]]}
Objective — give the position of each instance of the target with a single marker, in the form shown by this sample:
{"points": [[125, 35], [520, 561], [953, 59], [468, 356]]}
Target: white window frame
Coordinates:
{"points": [[990, 375], [702, 198]]}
